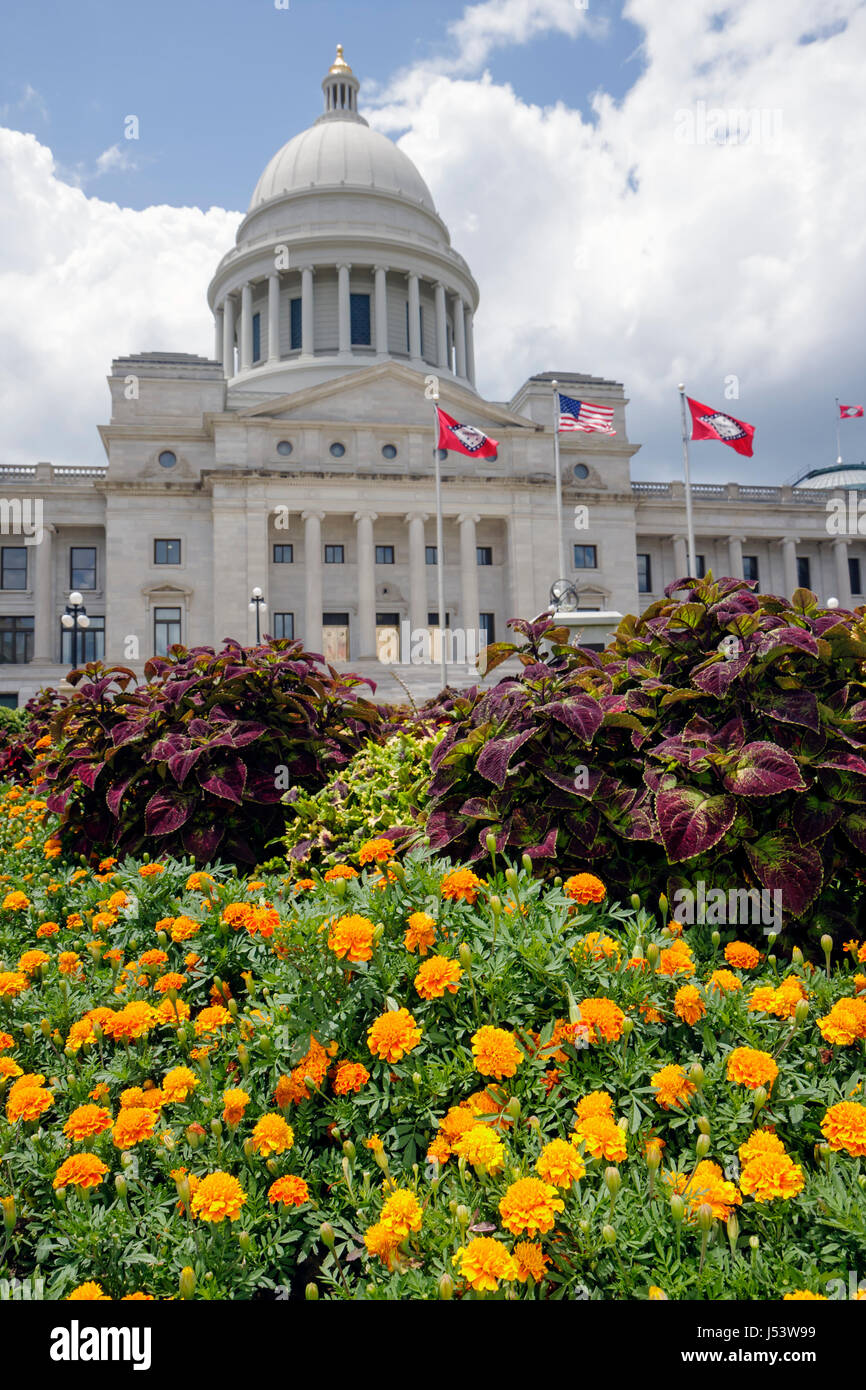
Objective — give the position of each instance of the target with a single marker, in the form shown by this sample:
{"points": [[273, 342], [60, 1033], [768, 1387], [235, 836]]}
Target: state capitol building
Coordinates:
{"points": [[298, 460]]}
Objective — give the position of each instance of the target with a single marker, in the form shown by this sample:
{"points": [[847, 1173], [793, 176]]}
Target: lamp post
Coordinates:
{"points": [[257, 602], [74, 618]]}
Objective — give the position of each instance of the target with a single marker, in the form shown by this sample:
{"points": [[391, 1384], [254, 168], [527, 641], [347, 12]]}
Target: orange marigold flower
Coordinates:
{"points": [[13, 983], [481, 1146], [272, 1135], [69, 963], [171, 980], [235, 1102], [706, 1185], [183, 928], [461, 884], [6, 1041], [31, 961], [378, 851], [47, 929], [595, 1103], [495, 1052], [676, 960], [133, 1021], [421, 933], [74, 921], [845, 1023], [601, 1137], [9, 1068], [741, 955], [381, 1241], [198, 881], [804, 1296], [760, 1141], [748, 1066], [86, 1121], [672, 1086], [179, 1083], [560, 1163], [236, 915], [393, 1034], [289, 1191], [531, 1261], [598, 946], [483, 1262], [27, 1102], [81, 1170], [211, 1019], [689, 1005], [172, 1011], [401, 1213], [304, 885], [89, 1292], [530, 1205], [603, 1017], [844, 1128], [340, 871], [154, 957], [218, 1196], [151, 870], [771, 1175], [437, 975], [584, 888], [351, 937], [16, 901], [133, 1124], [350, 1076], [725, 981]]}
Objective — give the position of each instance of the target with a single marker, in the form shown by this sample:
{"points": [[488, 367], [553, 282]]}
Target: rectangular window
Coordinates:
{"points": [[484, 554], [334, 555], [644, 574], [433, 619], [89, 646], [284, 625], [387, 619], [430, 554], [284, 554], [750, 568], [854, 575], [16, 640], [13, 562], [384, 554], [166, 552], [82, 567], [257, 337], [487, 623], [295, 324], [359, 314], [585, 557], [701, 563], [804, 572], [8, 699], [166, 630]]}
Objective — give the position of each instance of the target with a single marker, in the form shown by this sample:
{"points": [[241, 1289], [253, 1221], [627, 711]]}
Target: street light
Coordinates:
{"points": [[75, 618], [257, 602]]}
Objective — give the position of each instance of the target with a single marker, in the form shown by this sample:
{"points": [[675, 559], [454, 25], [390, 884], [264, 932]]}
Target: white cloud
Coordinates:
{"points": [[495, 23], [114, 160]]}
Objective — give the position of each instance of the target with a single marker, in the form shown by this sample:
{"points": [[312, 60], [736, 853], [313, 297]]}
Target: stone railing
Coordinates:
{"points": [[737, 492]]}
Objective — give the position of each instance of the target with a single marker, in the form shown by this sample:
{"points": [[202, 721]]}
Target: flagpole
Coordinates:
{"points": [[440, 548], [838, 443], [560, 544], [690, 526]]}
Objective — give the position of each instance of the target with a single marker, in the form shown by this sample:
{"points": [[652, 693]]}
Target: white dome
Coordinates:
{"points": [[852, 475], [341, 151]]}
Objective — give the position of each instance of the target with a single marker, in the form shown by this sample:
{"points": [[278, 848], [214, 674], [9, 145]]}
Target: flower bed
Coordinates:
{"points": [[396, 1080]]}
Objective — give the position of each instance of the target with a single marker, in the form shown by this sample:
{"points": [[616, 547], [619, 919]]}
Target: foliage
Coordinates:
{"points": [[289, 1013], [197, 758], [720, 738], [21, 730]]}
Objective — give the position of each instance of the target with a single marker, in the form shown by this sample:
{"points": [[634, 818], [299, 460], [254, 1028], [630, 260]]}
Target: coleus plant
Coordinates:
{"points": [[198, 757], [720, 738]]}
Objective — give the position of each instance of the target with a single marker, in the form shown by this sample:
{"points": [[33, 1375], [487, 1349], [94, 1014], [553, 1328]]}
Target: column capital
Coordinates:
{"points": [[417, 516], [306, 269], [411, 275], [365, 516], [839, 542], [344, 265], [740, 540], [383, 268], [473, 517], [787, 540], [313, 515]]}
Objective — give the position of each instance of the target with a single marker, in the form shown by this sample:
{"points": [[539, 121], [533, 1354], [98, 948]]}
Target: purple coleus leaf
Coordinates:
{"points": [[690, 822], [792, 707], [442, 828], [813, 815], [795, 638], [716, 677], [495, 756], [579, 713], [201, 842], [181, 764], [854, 826], [227, 781], [762, 769], [785, 866], [166, 812]]}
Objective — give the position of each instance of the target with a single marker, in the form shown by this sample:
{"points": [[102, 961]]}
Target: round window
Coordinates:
{"points": [[167, 459], [338, 450], [284, 447], [581, 470], [389, 451]]}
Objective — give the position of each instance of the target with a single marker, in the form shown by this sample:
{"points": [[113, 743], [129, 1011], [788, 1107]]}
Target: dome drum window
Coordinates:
{"points": [[338, 450], [581, 471], [389, 451], [167, 459], [284, 448]]}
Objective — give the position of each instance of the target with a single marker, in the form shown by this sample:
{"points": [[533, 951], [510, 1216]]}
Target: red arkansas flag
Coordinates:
{"points": [[715, 424], [850, 412], [464, 439]]}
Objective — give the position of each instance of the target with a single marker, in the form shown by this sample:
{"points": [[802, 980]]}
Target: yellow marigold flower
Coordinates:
{"points": [[183, 928], [530, 1205], [421, 933], [748, 1066], [69, 963], [27, 1102], [596, 1103], [13, 983], [378, 851], [133, 1021], [803, 1296], [86, 1121], [657, 1295], [31, 961], [340, 871], [483, 1262], [401, 1213], [6, 1041], [598, 946], [393, 1034], [760, 1141], [771, 1175], [672, 1086], [437, 975], [601, 1137], [352, 937], [350, 1076], [138, 1298], [495, 1052], [211, 1019], [461, 884], [9, 1068], [381, 1241], [741, 955], [457, 1121], [151, 870], [706, 1185], [16, 901], [153, 957], [81, 1170], [604, 1019], [481, 1147], [218, 1196], [845, 1023], [171, 980], [676, 960], [198, 881], [584, 888], [531, 1261], [689, 1005], [844, 1128], [47, 929], [178, 1083], [133, 1125], [235, 1102], [289, 1192], [272, 1135], [560, 1163], [89, 1292]]}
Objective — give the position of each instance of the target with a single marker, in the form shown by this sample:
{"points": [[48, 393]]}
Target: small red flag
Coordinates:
{"points": [[715, 424], [850, 412], [464, 439]]}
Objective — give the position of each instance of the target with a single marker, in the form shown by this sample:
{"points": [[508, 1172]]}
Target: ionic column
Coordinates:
{"points": [[381, 273], [344, 308], [460, 335], [229, 336], [470, 345], [218, 332], [414, 318], [246, 327], [468, 573], [274, 317], [843, 578], [307, 316], [366, 584], [441, 327], [735, 556], [43, 626], [789, 561], [681, 558], [417, 572], [313, 579]]}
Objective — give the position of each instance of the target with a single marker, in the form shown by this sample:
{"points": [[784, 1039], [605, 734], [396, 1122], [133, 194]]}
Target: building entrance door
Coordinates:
{"points": [[335, 637]]}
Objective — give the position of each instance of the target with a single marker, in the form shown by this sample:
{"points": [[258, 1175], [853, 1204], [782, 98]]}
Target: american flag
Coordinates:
{"points": [[582, 415]]}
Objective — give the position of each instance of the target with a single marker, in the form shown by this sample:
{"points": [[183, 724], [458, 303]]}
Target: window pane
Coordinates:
{"points": [[82, 567], [384, 554], [16, 639], [750, 568], [90, 645], [803, 572], [854, 574], [701, 563], [484, 554], [387, 619], [14, 567], [430, 554], [284, 625], [584, 557], [166, 552], [487, 623], [166, 629], [257, 337], [359, 310], [333, 555], [284, 554], [644, 574], [295, 313]]}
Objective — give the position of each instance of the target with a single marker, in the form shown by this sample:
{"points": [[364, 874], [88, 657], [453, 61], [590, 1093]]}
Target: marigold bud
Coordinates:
{"points": [[801, 1012], [446, 1286], [121, 1187], [490, 842], [716, 938], [349, 1150], [678, 1207], [462, 1215], [705, 1216], [652, 953], [326, 1231], [696, 1073], [772, 938], [216, 1128], [663, 903], [526, 861], [627, 1027], [702, 1147], [495, 905], [703, 1124], [513, 1108], [187, 1282], [653, 1157], [760, 1098], [311, 1293], [464, 955], [754, 1242], [797, 956], [511, 878], [635, 901], [9, 1215], [244, 1241], [733, 1229], [608, 1235], [612, 1180]]}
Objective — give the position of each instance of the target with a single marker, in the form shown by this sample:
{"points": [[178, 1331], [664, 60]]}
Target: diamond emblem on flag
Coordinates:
{"points": [[724, 425]]}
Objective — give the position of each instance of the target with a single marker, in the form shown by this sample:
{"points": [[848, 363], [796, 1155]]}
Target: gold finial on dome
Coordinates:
{"points": [[339, 64]]}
